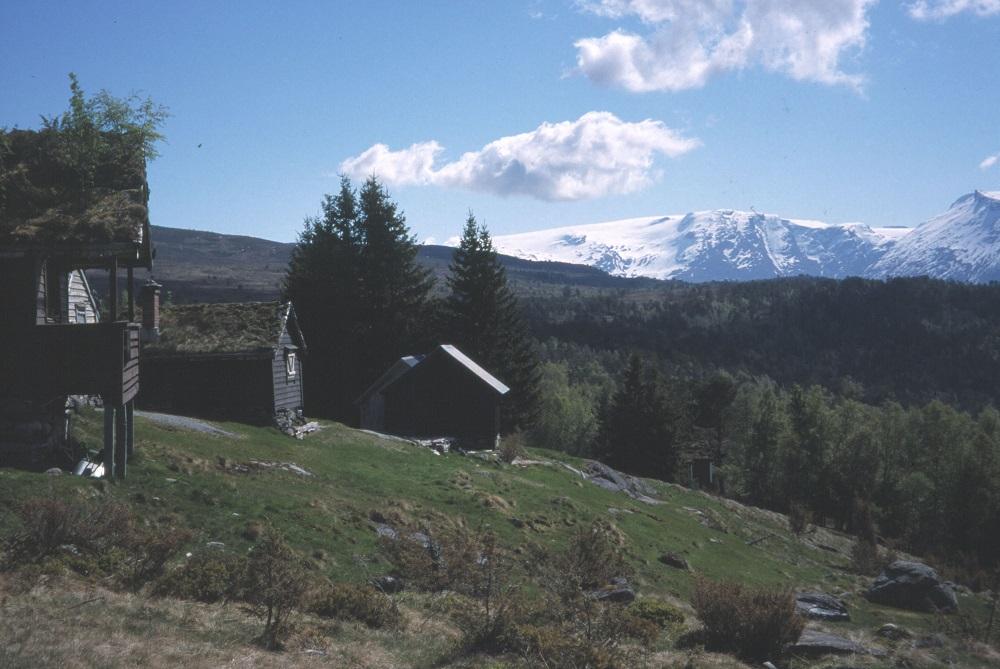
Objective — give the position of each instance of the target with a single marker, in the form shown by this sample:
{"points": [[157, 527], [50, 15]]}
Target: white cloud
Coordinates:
{"points": [[596, 155], [687, 42], [931, 10], [989, 161]]}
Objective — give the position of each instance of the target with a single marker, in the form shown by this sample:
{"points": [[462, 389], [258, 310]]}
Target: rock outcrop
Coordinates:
{"points": [[913, 586]]}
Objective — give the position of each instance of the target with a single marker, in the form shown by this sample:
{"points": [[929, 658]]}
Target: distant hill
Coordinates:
{"points": [[201, 266]]}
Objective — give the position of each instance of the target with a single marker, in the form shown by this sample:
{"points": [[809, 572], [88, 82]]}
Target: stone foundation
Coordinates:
{"points": [[32, 432]]}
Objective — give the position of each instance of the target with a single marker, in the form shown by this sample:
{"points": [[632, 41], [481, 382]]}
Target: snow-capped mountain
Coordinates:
{"points": [[710, 245], [962, 244]]}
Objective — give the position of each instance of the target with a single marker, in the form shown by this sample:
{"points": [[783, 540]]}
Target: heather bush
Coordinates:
{"points": [[799, 517], [208, 575], [274, 586], [361, 603], [511, 447], [752, 623]]}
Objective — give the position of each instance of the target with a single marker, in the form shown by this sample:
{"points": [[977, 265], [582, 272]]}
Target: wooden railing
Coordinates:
{"points": [[44, 360]]}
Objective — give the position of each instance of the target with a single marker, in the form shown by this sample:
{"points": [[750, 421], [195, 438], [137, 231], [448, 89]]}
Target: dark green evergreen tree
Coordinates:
{"points": [[482, 318], [394, 287], [637, 426], [359, 293]]}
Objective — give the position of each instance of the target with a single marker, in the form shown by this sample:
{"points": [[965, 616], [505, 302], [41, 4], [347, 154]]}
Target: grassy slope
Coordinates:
{"points": [[356, 476]]}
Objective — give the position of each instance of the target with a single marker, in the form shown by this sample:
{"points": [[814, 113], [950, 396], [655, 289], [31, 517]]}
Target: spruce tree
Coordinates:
{"points": [[482, 318], [359, 293], [637, 426], [394, 288]]}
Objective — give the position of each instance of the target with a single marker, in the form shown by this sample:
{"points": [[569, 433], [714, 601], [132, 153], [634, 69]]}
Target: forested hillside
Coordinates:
{"points": [[912, 340]]}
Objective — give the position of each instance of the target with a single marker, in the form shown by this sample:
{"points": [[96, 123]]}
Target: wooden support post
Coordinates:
{"points": [[113, 290], [121, 443], [130, 287], [109, 441], [130, 428]]}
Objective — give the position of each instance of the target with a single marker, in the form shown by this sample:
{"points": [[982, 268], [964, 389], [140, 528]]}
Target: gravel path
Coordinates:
{"points": [[185, 423]]}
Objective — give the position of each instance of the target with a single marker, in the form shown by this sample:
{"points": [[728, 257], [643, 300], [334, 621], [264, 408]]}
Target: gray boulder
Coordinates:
{"points": [[820, 606], [913, 586], [389, 585], [618, 591], [813, 643], [674, 560]]}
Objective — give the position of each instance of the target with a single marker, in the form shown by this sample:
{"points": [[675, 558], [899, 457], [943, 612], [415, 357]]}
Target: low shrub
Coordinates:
{"points": [[208, 575], [799, 517], [274, 585], [865, 559], [664, 616], [550, 646], [50, 525], [432, 560], [362, 603], [511, 447], [147, 552], [104, 538], [753, 623]]}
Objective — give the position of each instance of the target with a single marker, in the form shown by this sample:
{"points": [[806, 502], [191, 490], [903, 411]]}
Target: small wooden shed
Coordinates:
{"points": [[235, 361], [441, 394]]}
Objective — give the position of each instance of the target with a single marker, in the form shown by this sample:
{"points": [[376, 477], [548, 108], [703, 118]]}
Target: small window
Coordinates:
{"points": [[290, 363], [81, 313]]}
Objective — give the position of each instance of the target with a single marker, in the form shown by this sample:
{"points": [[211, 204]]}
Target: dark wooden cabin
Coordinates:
{"points": [[238, 361], [54, 224], [441, 394]]}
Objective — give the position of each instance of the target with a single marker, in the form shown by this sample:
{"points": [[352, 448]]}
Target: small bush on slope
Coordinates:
{"points": [[363, 603], [275, 585], [752, 623], [103, 538]]}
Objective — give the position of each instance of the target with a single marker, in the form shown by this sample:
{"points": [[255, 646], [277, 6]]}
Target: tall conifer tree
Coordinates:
{"points": [[482, 318], [637, 426], [359, 293]]}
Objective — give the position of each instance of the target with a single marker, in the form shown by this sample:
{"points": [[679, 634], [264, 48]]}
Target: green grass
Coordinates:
{"points": [[190, 477]]}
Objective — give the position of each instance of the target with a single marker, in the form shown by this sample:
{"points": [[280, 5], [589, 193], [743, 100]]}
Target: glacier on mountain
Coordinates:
{"points": [[722, 244]]}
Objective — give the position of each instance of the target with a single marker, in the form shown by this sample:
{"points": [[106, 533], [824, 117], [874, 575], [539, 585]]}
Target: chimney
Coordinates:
{"points": [[150, 300]]}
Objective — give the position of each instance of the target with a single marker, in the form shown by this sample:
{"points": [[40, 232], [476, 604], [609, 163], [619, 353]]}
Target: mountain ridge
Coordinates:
{"points": [[962, 243]]}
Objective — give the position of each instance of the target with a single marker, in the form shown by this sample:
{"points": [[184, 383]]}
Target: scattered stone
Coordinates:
{"points": [[389, 585], [893, 632], [676, 561], [769, 665], [383, 530], [216, 545], [821, 606], [913, 586], [618, 595], [54, 471], [814, 643], [314, 651], [517, 522], [265, 465], [600, 474]]}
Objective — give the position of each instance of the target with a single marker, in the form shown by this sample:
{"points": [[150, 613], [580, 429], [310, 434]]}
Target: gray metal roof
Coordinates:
{"points": [[406, 363], [398, 368], [473, 367]]}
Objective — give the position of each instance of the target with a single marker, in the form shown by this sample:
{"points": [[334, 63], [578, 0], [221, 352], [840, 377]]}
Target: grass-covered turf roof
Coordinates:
{"points": [[242, 327], [52, 192]]}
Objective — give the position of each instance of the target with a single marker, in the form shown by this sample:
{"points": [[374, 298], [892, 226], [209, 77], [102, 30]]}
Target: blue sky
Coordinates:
{"points": [[535, 113]]}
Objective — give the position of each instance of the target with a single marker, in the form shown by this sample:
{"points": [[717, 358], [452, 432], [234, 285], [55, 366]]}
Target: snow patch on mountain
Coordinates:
{"points": [[722, 244], [962, 244]]}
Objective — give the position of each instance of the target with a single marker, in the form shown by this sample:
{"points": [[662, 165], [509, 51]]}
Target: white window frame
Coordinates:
{"points": [[290, 370]]}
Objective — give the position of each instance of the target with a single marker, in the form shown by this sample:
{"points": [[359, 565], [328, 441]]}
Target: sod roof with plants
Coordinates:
{"points": [[54, 192], [237, 327]]}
